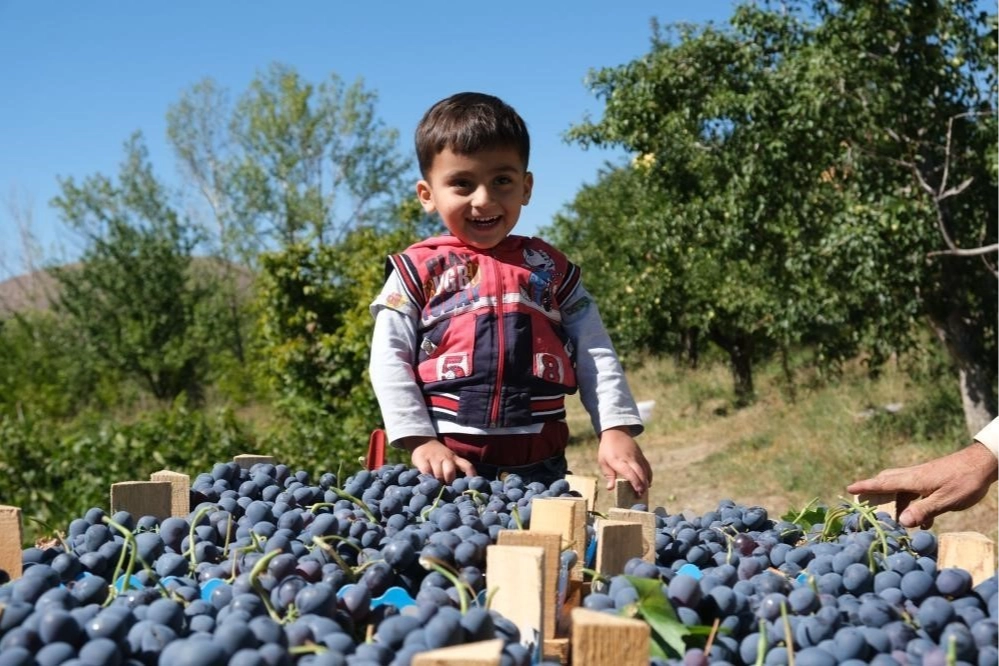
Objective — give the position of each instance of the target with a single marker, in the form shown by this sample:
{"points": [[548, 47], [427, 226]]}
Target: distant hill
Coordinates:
{"points": [[38, 290], [32, 291]]}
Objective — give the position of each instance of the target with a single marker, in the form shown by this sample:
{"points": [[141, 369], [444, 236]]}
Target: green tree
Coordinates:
{"points": [[42, 369], [802, 150], [131, 297], [304, 184]]}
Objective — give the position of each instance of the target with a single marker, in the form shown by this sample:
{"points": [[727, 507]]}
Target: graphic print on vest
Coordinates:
{"points": [[453, 283], [539, 285], [453, 366]]}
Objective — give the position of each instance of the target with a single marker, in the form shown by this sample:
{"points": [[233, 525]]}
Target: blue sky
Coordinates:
{"points": [[78, 78]]}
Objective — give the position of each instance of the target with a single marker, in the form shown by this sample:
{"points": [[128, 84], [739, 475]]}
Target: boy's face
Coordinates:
{"points": [[478, 196]]}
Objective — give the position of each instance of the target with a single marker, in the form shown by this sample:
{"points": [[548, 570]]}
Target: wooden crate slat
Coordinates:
{"points": [[565, 516], [972, 551], [180, 491], [248, 460], [886, 502], [647, 520], [515, 580], [585, 486], [550, 543], [11, 536], [623, 496], [601, 639], [617, 542], [482, 653], [142, 498]]}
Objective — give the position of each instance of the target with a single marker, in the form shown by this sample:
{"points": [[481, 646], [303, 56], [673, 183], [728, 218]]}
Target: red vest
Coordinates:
{"points": [[492, 350]]}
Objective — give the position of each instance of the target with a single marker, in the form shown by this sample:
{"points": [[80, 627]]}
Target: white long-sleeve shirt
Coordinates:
{"points": [[989, 436], [603, 387]]}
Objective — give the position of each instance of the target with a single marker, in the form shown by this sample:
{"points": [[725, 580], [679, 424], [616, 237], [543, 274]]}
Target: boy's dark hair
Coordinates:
{"points": [[467, 123]]}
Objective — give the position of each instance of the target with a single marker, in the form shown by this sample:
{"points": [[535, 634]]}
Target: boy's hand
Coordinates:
{"points": [[430, 456], [620, 455]]}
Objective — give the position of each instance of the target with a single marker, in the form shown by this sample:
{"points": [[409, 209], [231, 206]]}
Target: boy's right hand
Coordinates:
{"points": [[430, 456]]}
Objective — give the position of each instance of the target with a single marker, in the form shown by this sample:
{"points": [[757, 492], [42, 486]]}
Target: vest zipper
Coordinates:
{"points": [[500, 343]]}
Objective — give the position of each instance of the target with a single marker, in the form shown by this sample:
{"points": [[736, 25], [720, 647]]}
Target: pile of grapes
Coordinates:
{"points": [[270, 568]]}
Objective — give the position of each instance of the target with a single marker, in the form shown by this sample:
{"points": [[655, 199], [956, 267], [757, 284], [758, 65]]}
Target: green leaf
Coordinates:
{"points": [[807, 517], [653, 607]]}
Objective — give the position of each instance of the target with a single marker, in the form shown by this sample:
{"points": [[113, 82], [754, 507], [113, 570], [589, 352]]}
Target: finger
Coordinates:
{"points": [[609, 474], [920, 512], [647, 469], [422, 464], [637, 478], [885, 482], [449, 470], [438, 469], [466, 466]]}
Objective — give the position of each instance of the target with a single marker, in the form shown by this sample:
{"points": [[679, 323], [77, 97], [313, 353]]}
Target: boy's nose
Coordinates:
{"points": [[481, 196]]}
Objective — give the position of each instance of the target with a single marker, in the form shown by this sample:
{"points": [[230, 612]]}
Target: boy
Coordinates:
{"points": [[480, 334]]}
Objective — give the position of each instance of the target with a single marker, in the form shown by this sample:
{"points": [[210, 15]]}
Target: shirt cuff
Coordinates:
{"points": [[989, 436]]}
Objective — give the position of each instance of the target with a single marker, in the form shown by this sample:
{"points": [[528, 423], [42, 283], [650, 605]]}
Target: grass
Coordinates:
{"points": [[788, 447]]}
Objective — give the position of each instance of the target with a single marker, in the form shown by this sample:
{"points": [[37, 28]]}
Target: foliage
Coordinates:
{"points": [[303, 183], [316, 328], [291, 162], [131, 297], [633, 285], [805, 166], [56, 472], [41, 368]]}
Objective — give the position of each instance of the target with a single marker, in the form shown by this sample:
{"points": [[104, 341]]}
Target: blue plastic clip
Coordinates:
{"points": [[395, 596], [691, 570]]}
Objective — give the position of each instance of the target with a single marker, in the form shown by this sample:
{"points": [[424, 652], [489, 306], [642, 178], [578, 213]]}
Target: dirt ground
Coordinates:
{"points": [[682, 485]]}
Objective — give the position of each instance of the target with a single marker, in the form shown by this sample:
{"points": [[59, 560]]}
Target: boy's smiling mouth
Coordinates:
{"points": [[485, 221]]}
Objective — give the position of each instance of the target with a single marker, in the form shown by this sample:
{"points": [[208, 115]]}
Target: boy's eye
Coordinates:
{"points": [[504, 180]]}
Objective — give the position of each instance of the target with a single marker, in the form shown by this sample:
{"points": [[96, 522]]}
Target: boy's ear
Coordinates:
{"points": [[426, 196], [528, 186]]}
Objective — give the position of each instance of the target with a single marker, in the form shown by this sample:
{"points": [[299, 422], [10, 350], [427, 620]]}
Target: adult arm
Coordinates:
{"points": [[953, 482]]}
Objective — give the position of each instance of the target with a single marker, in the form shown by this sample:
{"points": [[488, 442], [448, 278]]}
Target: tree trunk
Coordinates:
{"points": [[687, 352], [740, 353], [978, 396]]}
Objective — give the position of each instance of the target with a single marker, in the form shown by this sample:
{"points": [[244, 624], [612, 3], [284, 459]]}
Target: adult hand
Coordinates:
{"points": [[620, 455], [949, 483], [431, 456]]}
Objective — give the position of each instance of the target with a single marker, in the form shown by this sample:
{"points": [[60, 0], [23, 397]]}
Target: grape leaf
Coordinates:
{"points": [[653, 607], [807, 517]]}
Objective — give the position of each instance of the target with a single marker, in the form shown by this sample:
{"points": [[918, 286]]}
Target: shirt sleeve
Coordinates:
{"points": [[989, 436], [603, 388], [393, 350]]}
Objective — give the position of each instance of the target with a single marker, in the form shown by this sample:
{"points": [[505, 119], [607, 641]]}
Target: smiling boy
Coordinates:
{"points": [[480, 334]]}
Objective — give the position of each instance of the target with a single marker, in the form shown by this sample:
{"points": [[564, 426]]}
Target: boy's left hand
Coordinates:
{"points": [[620, 455]]}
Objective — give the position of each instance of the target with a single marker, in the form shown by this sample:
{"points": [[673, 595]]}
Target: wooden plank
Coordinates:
{"points": [[617, 542], [142, 498], [180, 491], [971, 551], [623, 496], [557, 650], [515, 581], [886, 502], [565, 516], [585, 486], [248, 460], [647, 520], [482, 653], [11, 536], [550, 543], [602, 639]]}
